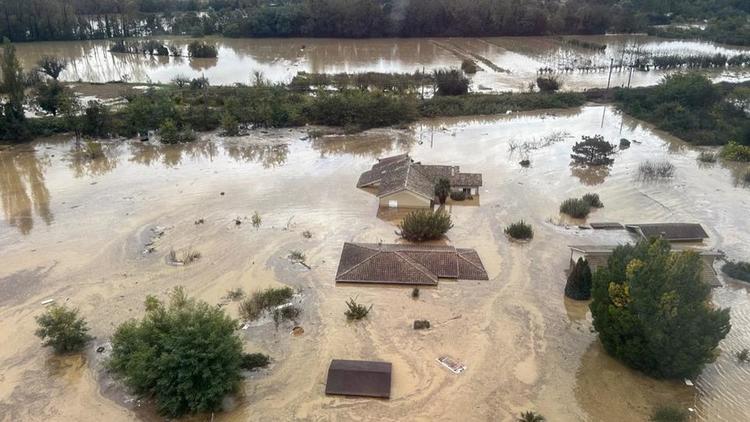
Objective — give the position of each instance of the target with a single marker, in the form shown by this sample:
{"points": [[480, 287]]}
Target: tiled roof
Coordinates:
{"points": [[359, 378], [670, 231], [407, 264]]}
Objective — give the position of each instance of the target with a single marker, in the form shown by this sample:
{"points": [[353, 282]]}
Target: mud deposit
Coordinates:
{"points": [[506, 63], [75, 230]]}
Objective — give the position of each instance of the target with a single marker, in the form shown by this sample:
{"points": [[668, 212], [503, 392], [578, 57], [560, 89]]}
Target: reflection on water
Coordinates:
{"points": [[590, 175], [374, 145], [507, 63], [23, 190]]}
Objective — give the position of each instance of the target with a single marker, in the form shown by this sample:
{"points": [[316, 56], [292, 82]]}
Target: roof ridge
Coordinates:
{"points": [[377, 252], [470, 263], [417, 265]]}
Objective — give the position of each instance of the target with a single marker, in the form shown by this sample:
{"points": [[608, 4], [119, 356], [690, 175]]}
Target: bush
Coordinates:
{"points": [[450, 82], [669, 414], [170, 134], [531, 416], [200, 49], [735, 152], [550, 84], [653, 310], [458, 195], [575, 207], [743, 355], [593, 150], [62, 329], [593, 200], [578, 286], [356, 311], [415, 293], [186, 355], [520, 231], [253, 361], [739, 270], [654, 170], [469, 66], [286, 313], [707, 157], [624, 143], [97, 120], [422, 225], [261, 302], [487, 104]]}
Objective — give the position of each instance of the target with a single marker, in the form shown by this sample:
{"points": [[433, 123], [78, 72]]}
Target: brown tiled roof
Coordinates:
{"points": [[359, 378], [407, 264], [468, 180], [383, 168], [670, 231]]}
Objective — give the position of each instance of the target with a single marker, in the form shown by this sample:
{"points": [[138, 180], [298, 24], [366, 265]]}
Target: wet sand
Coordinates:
{"points": [[506, 63], [75, 229]]}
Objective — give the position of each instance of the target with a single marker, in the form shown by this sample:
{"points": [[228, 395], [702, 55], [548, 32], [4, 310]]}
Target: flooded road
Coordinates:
{"points": [[506, 63], [74, 229]]}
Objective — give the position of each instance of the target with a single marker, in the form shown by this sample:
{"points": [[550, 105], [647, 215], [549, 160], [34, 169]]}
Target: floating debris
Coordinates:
{"points": [[453, 365]]}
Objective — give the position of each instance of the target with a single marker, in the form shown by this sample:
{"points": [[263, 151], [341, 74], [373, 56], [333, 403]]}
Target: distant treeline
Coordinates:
{"points": [[35, 20], [731, 30]]}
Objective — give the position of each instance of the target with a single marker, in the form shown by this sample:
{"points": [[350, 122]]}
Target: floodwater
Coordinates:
{"points": [[507, 63], [74, 230]]}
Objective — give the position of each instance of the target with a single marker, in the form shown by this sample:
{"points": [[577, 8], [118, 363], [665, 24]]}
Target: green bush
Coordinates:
{"points": [[186, 355], [737, 269], [487, 104], [363, 109], [575, 207], [458, 195], [669, 414], [593, 150], [253, 361], [653, 311], [735, 152], [200, 49], [422, 225], [356, 311], [170, 134], [548, 84], [593, 200], [263, 301], [707, 157], [520, 230], [450, 82], [578, 286], [62, 329]]}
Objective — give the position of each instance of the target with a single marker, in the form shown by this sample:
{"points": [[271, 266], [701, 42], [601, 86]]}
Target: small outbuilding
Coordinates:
{"points": [[359, 378]]}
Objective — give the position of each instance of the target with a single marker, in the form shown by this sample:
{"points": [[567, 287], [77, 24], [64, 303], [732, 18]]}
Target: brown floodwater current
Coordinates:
{"points": [[75, 230], [506, 63]]}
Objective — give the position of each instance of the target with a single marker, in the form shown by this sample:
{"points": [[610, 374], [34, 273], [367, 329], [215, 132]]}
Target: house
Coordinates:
{"points": [[401, 182], [673, 232], [597, 256], [373, 263], [359, 378]]}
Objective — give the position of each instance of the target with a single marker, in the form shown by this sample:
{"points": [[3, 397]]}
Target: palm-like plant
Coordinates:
{"points": [[530, 416], [442, 189]]}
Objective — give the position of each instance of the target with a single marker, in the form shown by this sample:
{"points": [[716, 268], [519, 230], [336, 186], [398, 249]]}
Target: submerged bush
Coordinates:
{"points": [[458, 195], [263, 301], [735, 152], [450, 82], [253, 361], [737, 269], [653, 170], [356, 311], [575, 207], [578, 286], [200, 49], [548, 84], [707, 157], [62, 328], [520, 230], [422, 225], [593, 200]]}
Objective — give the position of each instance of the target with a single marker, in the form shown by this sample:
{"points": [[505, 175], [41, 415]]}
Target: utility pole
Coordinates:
{"points": [[609, 79]]}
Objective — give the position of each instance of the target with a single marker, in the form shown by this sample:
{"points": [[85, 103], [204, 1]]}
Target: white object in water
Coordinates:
{"points": [[688, 382], [47, 302], [452, 364]]}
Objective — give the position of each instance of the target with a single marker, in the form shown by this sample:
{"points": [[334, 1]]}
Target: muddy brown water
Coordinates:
{"points": [[507, 63], [74, 229]]}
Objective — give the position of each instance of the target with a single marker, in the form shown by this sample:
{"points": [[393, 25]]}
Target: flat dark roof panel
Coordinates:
{"points": [[359, 378]]}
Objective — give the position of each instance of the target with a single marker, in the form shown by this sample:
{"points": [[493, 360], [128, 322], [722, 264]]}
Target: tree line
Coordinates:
{"points": [[38, 20]]}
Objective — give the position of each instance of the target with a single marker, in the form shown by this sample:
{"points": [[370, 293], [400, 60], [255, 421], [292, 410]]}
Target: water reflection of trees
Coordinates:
{"points": [[84, 165], [273, 155], [23, 189], [369, 145], [268, 155], [590, 175]]}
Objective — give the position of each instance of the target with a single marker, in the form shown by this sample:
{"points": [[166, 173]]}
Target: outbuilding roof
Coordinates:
{"points": [[674, 232], [359, 378]]}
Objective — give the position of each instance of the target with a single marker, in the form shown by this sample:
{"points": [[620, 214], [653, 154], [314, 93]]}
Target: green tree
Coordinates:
{"points": [[186, 354], [578, 286], [62, 329], [50, 95], [52, 66], [593, 150], [442, 189], [13, 120], [422, 225], [653, 311]]}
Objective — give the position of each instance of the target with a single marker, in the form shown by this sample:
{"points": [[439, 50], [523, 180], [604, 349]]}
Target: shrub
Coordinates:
{"points": [[578, 286], [450, 82], [286, 313], [575, 207], [458, 195], [593, 150], [253, 361], [97, 119], [669, 414], [62, 329], [743, 355], [49, 96], [229, 125], [200, 49], [739, 270], [593, 200], [356, 311], [415, 293], [707, 157], [469, 66], [442, 189], [520, 230], [735, 152], [422, 225], [654, 170], [653, 311], [548, 84], [170, 134], [261, 302], [530, 416], [297, 256], [307, 234], [256, 220], [186, 355], [624, 143]]}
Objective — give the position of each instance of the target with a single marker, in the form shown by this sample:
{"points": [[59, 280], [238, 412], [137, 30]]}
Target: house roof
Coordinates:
{"points": [[670, 231], [359, 378], [407, 264]]}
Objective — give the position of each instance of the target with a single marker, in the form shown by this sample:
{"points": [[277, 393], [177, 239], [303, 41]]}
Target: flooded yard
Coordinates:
{"points": [[506, 63], [74, 230]]}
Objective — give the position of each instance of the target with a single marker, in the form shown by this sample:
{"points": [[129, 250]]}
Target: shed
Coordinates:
{"points": [[359, 378], [673, 232]]}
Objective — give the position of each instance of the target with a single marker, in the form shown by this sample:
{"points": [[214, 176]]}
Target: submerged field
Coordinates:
{"points": [[75, 230]]}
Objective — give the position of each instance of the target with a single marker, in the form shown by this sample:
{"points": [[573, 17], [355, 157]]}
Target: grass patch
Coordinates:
{"points": [[263, 301], [655, 170], [739, 270], [520, 231], [356, 311], [575, 207]]}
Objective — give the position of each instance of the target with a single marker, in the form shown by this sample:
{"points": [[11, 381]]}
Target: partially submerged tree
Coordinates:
{"points": [[442, 189], [653, 311], [52, 66], [200, 49], [50, 96], [548, 84], [593, 150], [62, 328], [185, 354], [578, 286], [422, 225], [450, 82], [12, 85]]}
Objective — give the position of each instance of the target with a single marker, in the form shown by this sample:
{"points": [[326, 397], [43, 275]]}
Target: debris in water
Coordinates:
{"points": [[48, 302], [199, 221], [452, 364], [421, 324], [222, 194], [298, 331], [100, 349]]}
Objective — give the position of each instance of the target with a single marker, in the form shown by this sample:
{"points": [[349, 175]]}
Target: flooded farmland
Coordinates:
{"points": [[75, 230], [506, 63]]}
